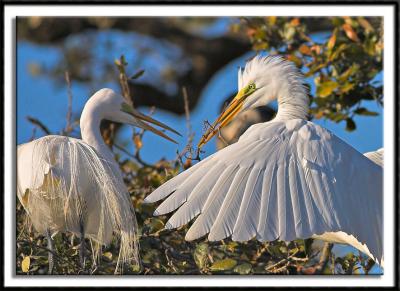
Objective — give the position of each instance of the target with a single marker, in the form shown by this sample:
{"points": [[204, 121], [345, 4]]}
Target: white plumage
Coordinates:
{"points": [[67, 184], [284, 179]]}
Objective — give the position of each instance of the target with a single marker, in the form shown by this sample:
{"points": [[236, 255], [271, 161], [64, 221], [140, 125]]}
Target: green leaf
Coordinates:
{"points": [[364, 111], [243, 269], [349, 72], [231, 246], [326, 88], [259, 46], [289, 32], [200, 255], [347, 87], [320, 102], [137, 74], [26, 262], [108, 255], [315, 69], [260, 34], [123, 60], [150, 255], [337, 117], [275, 251], [154, 224], [308, 246], [135, 268], [350, 125], [338, 51], [223, 265]]}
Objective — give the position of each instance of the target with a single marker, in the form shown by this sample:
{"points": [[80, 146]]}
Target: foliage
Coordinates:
{"points": [[166, 251], [343, 66]]}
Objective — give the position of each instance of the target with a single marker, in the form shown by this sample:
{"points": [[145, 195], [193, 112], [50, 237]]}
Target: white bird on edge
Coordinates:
{"points": [[284, 179], [67, 184]]}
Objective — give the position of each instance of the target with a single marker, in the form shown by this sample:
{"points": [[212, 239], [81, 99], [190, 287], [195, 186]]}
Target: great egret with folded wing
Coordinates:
{"points": [[285, 179], [68, 184]]}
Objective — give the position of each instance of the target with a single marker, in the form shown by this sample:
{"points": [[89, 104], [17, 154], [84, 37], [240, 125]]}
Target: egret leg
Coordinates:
{"points": [[82, 246], [50, 246]]}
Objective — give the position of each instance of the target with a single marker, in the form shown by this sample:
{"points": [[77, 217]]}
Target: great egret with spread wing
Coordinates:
{"points": [[284, 179], [67, 184]]}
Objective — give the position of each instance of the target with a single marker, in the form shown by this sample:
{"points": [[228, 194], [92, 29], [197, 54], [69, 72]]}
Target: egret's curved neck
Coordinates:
{"points": [[292, 105], [90, 130]]}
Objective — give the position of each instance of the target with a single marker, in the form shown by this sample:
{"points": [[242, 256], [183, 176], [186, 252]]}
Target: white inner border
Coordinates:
{"points": [[11, 11]]}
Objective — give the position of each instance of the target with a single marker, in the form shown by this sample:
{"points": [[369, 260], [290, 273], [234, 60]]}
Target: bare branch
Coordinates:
{"points": [[123, 79], [68, 127], [38, 124]]}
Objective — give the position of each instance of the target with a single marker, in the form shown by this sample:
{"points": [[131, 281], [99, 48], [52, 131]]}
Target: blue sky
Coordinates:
{"points": [[41, 98]]}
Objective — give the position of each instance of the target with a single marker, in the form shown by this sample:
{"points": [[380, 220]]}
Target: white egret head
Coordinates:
{"points": [[263, 80], [268, 78], [108, 105]]}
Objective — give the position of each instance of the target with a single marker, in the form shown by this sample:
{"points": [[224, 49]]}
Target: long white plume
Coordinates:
{"points": [[63, 181]]}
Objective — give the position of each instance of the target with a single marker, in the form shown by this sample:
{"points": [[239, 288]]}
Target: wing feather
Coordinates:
{"points": [[301, 223], [246, 224], [227, 215], [181, 194], [196, 199], [267, 228], [173, 184], [209, 212], [313, 215], [281, 180]]}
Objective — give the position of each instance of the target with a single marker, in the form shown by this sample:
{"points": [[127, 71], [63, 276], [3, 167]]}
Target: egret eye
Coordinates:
{"points": [[249, 89]]}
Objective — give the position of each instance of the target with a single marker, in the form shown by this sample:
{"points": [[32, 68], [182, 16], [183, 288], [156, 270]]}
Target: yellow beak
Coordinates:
{"points": [[226, 116], [139, 118]]}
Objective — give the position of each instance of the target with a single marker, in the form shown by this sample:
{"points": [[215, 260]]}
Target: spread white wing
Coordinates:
{"points": [[281, 180], [376, 156]]}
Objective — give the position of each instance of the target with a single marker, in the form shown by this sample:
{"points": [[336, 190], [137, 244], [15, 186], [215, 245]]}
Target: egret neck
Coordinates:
{"points": [[292, 104], [90, 130]]}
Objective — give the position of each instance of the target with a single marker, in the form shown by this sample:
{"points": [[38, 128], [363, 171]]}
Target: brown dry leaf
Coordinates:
{"points": [[295, 22], [316, 49], [305, 50], [187, 164], [294, 59], [138, 142], [332, 40], [35, 21], [319, 114], [365, 24], [251, 32], [347, 19], [351, 34]]}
